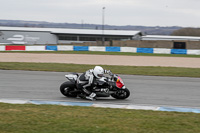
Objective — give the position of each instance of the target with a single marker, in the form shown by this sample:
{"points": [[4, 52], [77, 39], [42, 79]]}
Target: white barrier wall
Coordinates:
{"points": [[161, 51], [97, 48], [193, 52], [2, 48], [129, 49], [35, 48], [65, 48]]}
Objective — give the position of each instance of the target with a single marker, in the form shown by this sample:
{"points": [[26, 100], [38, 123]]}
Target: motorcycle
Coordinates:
{"points": [[111, 85]]}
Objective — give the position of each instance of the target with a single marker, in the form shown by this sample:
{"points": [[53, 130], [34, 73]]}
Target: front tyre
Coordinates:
{"points": [[66, 88], [121, 94]]}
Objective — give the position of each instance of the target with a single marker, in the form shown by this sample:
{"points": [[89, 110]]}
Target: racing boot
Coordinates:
{"points": [[91, 97]]}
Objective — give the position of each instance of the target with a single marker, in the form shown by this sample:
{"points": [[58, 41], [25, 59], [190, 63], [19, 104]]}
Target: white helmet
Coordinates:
{"points": [[98, 71]]}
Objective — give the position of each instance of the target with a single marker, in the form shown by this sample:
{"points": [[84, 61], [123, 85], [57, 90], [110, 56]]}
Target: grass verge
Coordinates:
{"points": [[130, 70], [73, 119], [105, 53]]}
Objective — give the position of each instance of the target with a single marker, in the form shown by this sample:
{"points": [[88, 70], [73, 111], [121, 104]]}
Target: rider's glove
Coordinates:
{"points": [[115, 77]]}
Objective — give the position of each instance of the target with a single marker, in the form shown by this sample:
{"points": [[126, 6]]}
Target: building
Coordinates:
{"points": [[176, 42], [170, 38], [30, 36]]}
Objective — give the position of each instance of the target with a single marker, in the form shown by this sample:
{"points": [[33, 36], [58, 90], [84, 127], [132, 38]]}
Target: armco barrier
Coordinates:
{"points": [[100, 48]]}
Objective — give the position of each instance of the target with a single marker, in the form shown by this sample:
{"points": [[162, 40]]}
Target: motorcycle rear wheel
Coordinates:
{"points": [[66, 88], [121, 94]]}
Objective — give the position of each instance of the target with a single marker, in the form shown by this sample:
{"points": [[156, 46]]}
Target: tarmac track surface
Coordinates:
{"points": [[145, 90]]}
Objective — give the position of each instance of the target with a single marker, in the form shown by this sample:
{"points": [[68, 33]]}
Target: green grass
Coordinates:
{"points": [[73, 119], [130, 70], [104, 53]]}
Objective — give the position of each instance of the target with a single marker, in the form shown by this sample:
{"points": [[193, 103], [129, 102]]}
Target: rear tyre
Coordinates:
{"points": [[121, 94], [66, 88]]}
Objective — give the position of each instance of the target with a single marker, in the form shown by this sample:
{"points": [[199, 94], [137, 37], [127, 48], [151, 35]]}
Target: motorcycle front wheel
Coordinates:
{"points": [[121, 94]]}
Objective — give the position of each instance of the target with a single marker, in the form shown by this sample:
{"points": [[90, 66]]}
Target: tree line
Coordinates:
{"points": [[187, 32]]}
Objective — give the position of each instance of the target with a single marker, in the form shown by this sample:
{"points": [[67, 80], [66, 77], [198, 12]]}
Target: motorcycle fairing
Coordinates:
{"points": [[72, 77], [119, 82]]}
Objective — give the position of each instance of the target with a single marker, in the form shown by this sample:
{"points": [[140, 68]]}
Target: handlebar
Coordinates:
{"points": [[113, 76]]}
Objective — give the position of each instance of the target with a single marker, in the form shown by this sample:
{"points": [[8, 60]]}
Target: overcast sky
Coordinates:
{"points": [[117, 12]]}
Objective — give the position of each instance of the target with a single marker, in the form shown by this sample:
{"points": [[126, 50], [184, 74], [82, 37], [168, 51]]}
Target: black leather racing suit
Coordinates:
{"points": [[86, 81]]}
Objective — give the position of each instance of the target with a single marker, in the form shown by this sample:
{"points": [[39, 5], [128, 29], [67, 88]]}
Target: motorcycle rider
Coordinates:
{"points": [[86, 81]]}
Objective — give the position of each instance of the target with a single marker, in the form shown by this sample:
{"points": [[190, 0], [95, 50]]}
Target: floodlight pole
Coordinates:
{"points": [[103, 15]]}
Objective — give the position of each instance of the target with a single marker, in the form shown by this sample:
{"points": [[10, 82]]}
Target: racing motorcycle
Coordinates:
{"points": [[111, 85]]}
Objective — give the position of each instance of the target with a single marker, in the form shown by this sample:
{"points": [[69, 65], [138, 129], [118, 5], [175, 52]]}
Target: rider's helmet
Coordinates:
{"points": [[98, 71]]}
